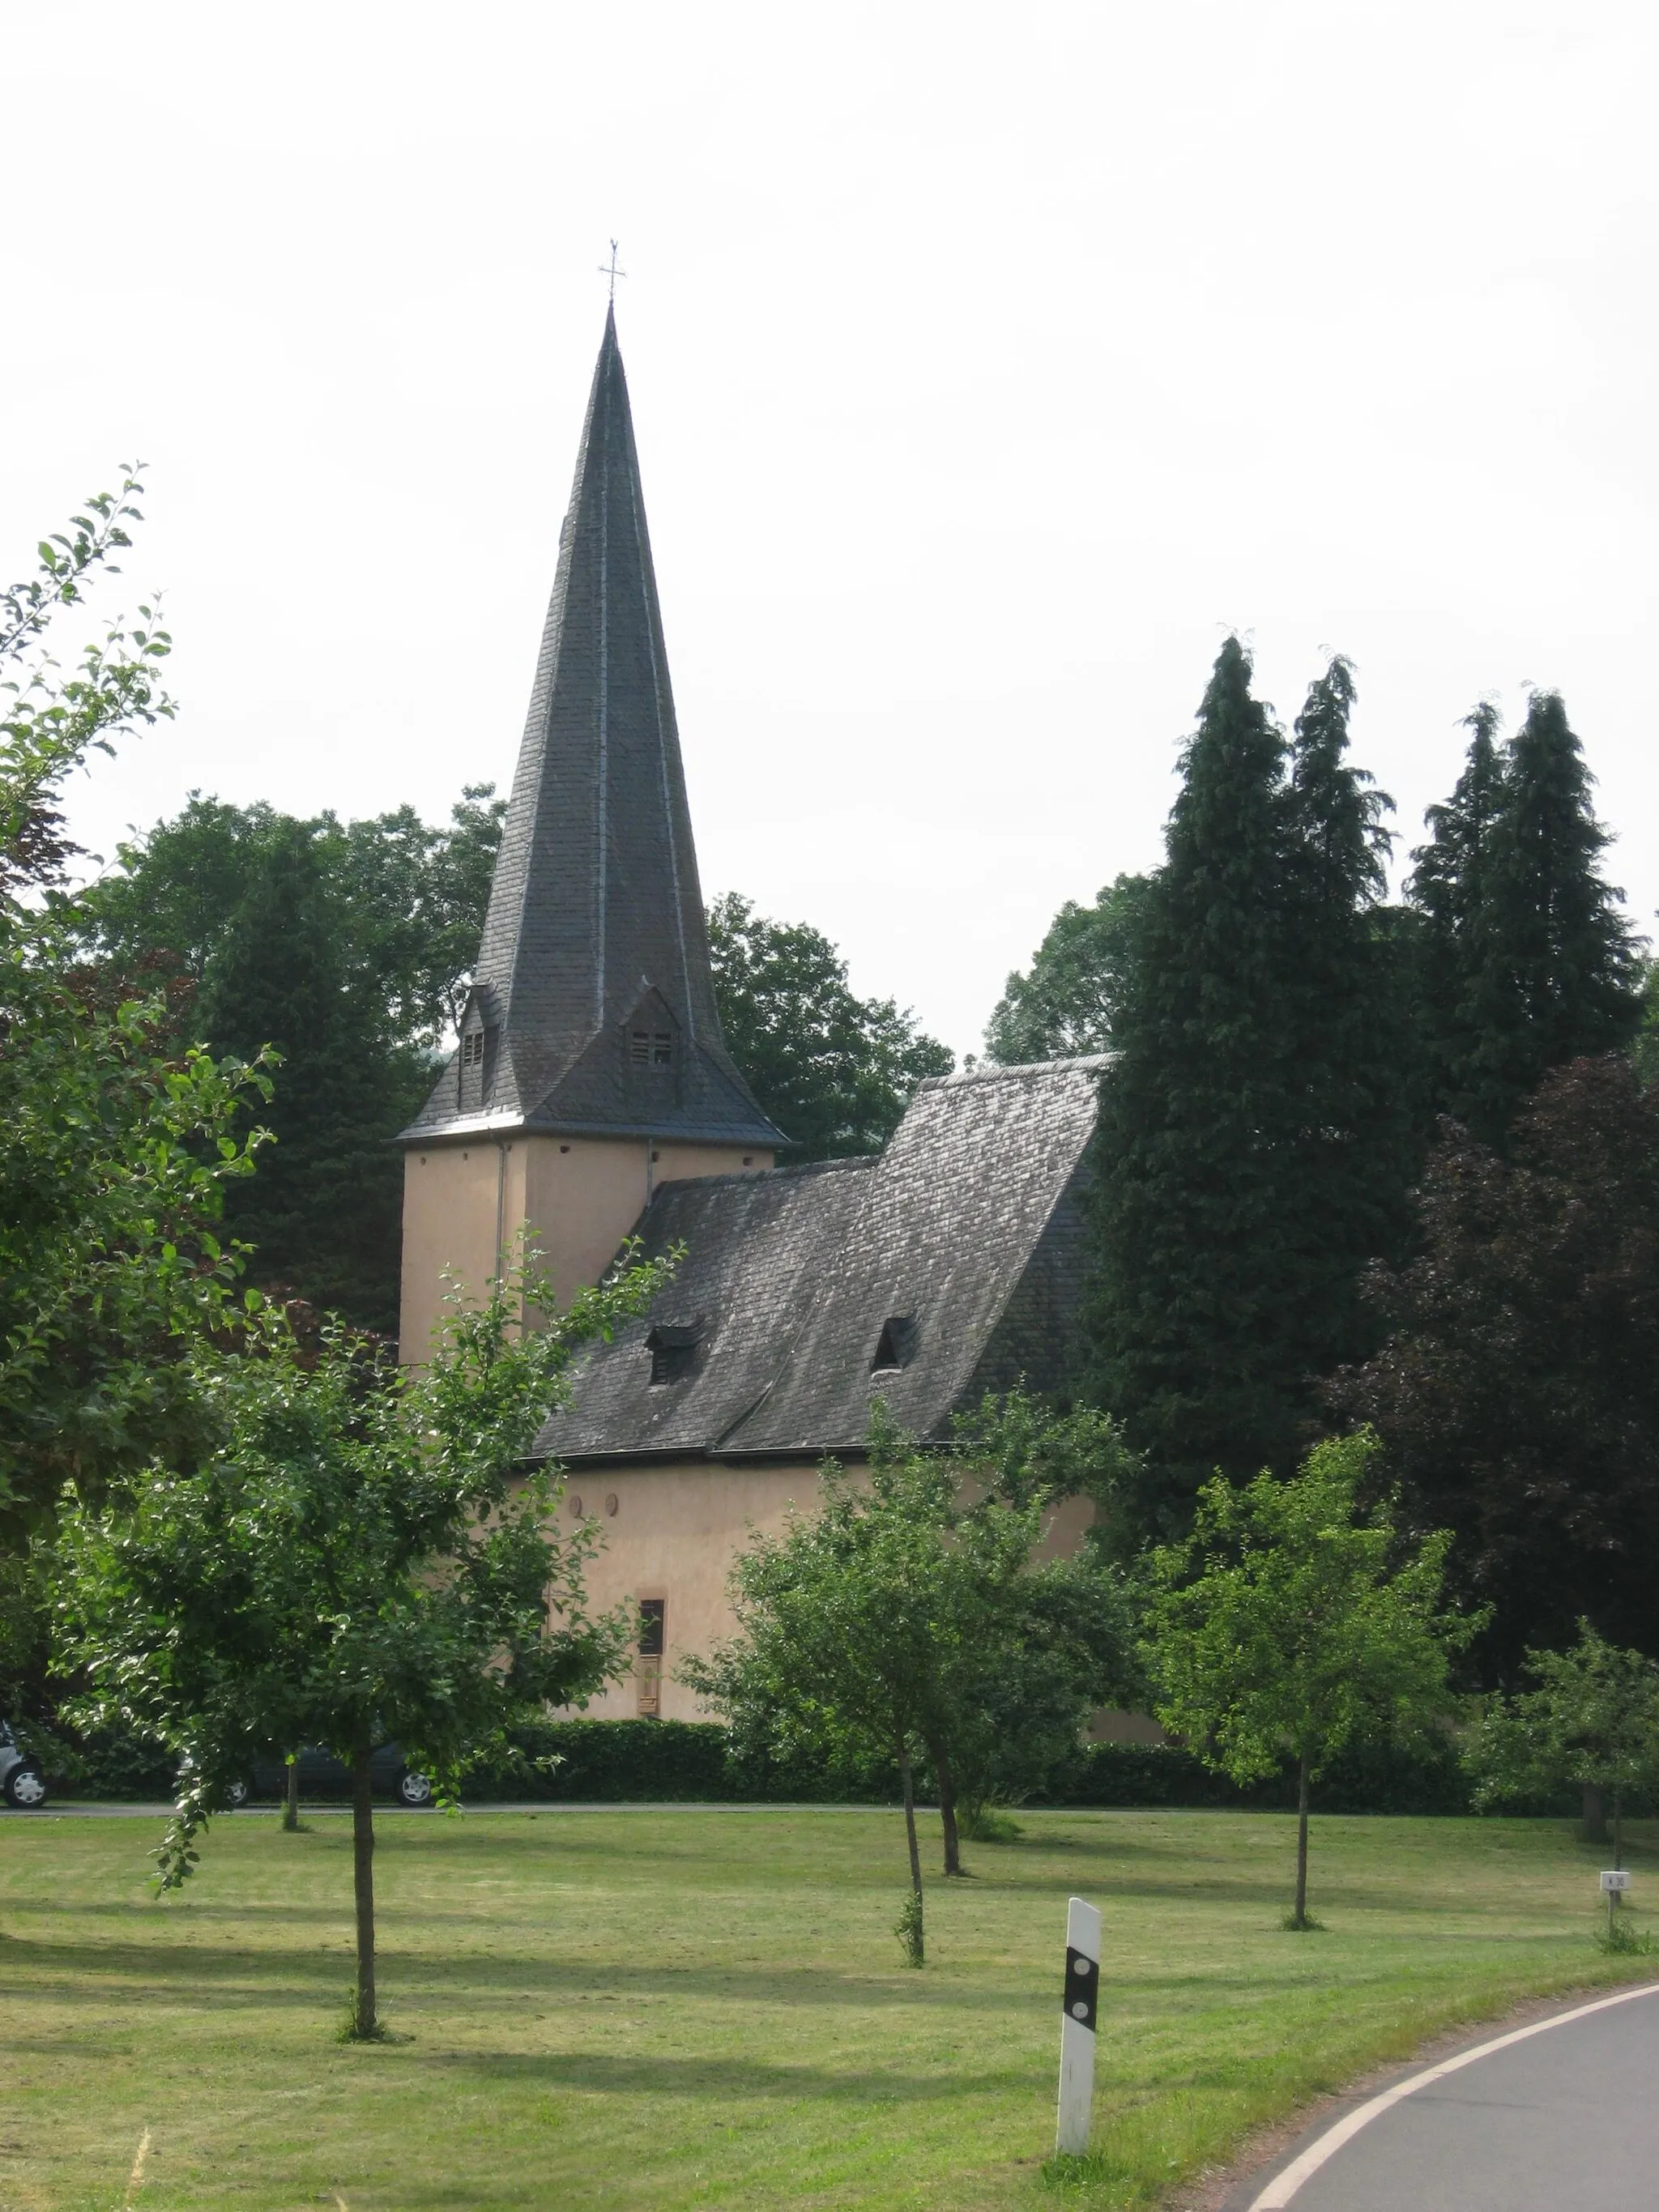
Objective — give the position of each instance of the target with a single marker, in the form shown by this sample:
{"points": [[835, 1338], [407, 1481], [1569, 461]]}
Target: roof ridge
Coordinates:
{"points": [[791, 1170], [996, 1072]]}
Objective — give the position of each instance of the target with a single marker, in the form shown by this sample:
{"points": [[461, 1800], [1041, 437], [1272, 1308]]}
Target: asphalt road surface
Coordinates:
{"points": [[1560, 2115]]}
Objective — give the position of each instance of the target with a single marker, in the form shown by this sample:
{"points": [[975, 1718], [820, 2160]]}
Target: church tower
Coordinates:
{"points": [[590, 1065]]}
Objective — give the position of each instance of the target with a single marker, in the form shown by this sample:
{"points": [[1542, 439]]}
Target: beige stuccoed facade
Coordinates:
{"points": [[465, 1201], [670, 1533]]}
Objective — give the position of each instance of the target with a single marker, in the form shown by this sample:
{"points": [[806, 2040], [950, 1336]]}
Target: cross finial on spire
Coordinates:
{"points": [[613, 271]]}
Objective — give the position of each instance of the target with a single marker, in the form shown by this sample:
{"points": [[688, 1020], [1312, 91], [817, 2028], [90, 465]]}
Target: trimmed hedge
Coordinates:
{"points": [[1380, 1779], [612, 1761], [608, 1762]]}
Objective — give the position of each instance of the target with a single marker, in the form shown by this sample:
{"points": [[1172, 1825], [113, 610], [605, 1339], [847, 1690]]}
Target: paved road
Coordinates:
{"points": [[1562, 2116]]}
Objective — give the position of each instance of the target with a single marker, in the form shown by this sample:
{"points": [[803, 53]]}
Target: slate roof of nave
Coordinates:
{"points": [[967, 1228]]}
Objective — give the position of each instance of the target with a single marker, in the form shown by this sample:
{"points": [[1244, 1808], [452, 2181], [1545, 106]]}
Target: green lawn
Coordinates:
{"points": [[654, 2008]]}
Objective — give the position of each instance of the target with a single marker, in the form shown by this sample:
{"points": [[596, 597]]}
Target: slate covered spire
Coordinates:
{"points": [[593, 1007]]}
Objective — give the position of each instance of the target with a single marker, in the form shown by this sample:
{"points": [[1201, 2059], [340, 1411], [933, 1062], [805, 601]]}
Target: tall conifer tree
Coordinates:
{"points": [[1561, 978], [1529, 962], [1449, 888], [1353, 1048], [1249, 1162]]}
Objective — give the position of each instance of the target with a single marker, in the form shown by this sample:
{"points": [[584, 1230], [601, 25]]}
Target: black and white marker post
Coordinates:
{"points": [[1077, 2028]]}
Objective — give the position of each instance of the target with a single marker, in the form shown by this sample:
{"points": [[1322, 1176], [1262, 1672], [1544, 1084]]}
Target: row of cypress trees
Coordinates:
{"points": [[1285, 1040]]}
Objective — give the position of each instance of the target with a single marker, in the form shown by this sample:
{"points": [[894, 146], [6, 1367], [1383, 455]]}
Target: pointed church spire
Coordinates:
{"points": [[593, 1006]]}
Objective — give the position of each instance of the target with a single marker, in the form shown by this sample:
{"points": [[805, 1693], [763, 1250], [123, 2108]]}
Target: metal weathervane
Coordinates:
{"points": [[612, 269]]}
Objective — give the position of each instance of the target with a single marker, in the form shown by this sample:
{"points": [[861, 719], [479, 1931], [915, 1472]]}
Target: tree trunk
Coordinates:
{"points": [[1618, 1825], [1299, 1918], [947, 1808], [1594, 1827], [366, 2024], [291, 1800], [905, 1778]]}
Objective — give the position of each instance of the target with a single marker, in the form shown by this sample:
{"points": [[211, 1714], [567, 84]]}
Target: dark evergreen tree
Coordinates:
{"points": [[1644, 1045], [1448, 889], [1528, 963], [1254, 1150], [1194, 1121], [1354, 1030], [323, 1211], [1560, 978]]}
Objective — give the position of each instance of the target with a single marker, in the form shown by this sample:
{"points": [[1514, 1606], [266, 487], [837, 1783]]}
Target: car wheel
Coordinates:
{"points": [[26, 1789], [238, 1793], [413, 1788]]}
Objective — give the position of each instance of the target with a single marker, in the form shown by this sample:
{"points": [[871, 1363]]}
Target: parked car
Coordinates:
{"points": [[322, 1775], [21, 1782]]}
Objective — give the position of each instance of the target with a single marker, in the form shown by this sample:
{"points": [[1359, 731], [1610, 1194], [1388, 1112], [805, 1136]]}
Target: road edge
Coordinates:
{"points": [[1268, 2149]]}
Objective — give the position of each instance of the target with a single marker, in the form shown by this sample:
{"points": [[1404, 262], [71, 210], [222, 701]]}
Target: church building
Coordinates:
{"points": [[591, 1096]]}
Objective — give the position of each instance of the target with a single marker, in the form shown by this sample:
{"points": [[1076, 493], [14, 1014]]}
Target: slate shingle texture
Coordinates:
{"points": [[967, 1229], [595, 929]]}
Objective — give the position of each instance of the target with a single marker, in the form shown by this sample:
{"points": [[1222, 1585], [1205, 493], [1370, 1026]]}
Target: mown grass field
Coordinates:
{"points": [[642, 2010]]}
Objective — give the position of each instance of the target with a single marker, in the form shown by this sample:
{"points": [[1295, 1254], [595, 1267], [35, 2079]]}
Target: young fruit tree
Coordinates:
{"points": [[1293, 1622], [903, 1616], [1593, 1719], [356, 1556]]}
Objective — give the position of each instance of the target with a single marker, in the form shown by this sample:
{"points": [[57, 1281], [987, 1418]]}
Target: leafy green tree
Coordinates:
{"points": [[406, 901], [51, 722], [1517, 1386], [1253, 1145], [1291, 1623], [1065, 1003], [1068, 1645], [355, 1554], [833, 1070], [907, 1615], [1592, 1719], [1533, 964], [116, 1147]]}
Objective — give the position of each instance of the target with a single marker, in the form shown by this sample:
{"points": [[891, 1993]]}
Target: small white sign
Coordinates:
{"points": [[1616, 1878]]}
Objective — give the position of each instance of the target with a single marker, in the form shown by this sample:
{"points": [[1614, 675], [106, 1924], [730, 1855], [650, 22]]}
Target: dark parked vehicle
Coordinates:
{"points": [[322, 1775], [21, 1782]]}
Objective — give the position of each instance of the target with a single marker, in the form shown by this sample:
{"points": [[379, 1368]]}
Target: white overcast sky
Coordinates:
{"points": [[988, 365]]}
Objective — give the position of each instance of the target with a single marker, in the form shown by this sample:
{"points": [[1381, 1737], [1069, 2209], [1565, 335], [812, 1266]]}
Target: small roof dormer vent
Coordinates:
{"points": [[673, 1350], [896, 1346]]}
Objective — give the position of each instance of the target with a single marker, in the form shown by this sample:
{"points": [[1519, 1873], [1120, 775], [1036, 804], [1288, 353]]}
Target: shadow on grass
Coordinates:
{"points": [[653, 2074], [117, 1975]]}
